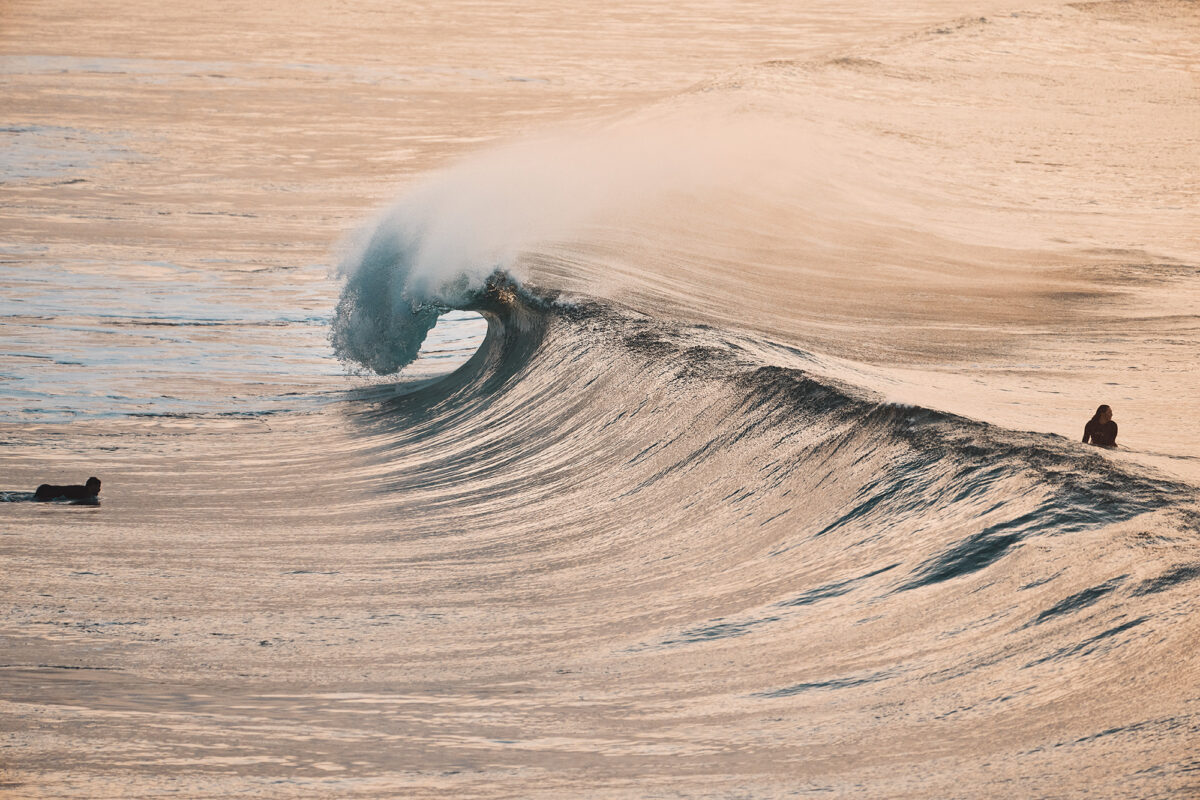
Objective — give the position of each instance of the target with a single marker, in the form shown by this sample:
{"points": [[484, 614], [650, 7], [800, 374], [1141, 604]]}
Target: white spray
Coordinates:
{"points": [[442, 239]]}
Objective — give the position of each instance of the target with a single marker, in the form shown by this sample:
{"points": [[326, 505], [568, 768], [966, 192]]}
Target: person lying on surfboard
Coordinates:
{"points": [[87, 491]]}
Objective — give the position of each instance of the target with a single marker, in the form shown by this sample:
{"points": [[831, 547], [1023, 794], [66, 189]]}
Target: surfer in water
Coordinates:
{"points": [[1101, 429], [86, 493]]}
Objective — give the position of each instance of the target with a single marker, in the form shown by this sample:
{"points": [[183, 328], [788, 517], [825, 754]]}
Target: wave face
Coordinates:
{"points": [[670, 499], [743, 426]]}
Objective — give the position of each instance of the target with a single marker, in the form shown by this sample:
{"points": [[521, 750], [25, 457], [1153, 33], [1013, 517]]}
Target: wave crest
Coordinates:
{"points": [[443, 240]]}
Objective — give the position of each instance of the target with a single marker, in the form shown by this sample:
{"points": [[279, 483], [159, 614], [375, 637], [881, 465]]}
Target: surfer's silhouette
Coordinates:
{"points": [[86, 493], [1101, 429]]}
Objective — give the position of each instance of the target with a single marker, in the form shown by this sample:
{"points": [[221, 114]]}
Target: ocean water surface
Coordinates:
{"points": [[496, 400]]}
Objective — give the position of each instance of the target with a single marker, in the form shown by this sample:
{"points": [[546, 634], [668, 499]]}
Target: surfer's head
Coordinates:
{"points": [[93, 485], [1103, 414]]}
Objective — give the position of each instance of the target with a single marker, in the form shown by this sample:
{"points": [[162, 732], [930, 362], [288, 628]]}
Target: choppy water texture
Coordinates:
{"points": [[625, 401]]}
